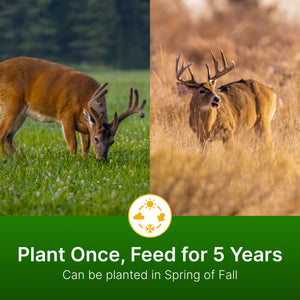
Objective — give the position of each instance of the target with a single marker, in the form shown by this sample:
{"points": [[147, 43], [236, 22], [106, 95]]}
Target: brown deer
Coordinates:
{"points": [[49, 92], [243, 104]]}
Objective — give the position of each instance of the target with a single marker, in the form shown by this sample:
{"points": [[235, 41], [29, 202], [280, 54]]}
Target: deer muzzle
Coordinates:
{"points": [[101, 157], [215, 101]]}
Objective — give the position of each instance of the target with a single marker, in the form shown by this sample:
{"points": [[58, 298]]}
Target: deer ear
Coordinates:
{"points": [[184, 89], [88, 119]]}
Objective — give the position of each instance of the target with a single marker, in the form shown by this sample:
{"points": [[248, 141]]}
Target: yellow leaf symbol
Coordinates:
{"points": [[161, 217]]}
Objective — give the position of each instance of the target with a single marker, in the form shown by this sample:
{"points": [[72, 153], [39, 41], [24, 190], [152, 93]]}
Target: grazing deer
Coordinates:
{"points": [[49, 92], [243, 104]]}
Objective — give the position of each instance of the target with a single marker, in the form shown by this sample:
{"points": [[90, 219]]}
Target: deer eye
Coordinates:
{"points": [[202, 92], [96, 140]]}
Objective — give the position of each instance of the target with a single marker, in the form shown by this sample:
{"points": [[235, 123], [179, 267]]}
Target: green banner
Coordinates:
{"points": [[103, 258]]}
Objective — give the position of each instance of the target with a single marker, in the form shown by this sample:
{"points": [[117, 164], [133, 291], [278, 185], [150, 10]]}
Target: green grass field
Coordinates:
{"points": [[42, 178]]}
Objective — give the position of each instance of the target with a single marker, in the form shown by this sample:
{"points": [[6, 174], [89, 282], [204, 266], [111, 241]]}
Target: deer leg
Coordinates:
{"points": [[263, 131], [9, 143], [85, 142], [68, 128], [10, 118]]}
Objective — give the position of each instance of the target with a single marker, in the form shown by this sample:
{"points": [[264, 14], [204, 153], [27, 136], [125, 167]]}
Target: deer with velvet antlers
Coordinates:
{"points": [[219, 113], [49, 92]]}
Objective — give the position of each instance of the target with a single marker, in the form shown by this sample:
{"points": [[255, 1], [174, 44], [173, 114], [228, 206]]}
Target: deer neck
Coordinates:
{"points": [[202, 118], [204, 111]]}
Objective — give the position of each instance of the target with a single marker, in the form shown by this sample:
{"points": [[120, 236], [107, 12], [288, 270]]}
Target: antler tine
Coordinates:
{"points": [[176, 67], [216, 64], [192, 81], [115, 123], [218, 73], [131, 109], [98, 108], [100, 92], [179, 72], [208, 72], [191, 73], [130, 99], [224, 59]]}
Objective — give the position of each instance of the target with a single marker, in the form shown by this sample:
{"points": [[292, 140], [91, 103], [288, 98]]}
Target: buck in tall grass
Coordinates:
{"points": [[49, 92], [215, 114]]}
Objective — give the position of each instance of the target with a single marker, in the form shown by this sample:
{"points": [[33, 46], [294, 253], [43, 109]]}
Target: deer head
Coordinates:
{"points": [[203, 93], [102, 132]]}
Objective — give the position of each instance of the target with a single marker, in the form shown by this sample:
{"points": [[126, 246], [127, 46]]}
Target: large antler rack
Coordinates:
{"points": [[131, 109], [219, 73], [192, 81]]}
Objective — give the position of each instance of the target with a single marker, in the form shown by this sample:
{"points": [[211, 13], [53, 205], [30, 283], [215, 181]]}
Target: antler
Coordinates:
{"points": [[191, 82], [219, 73], [98, 108], [131, 109]]}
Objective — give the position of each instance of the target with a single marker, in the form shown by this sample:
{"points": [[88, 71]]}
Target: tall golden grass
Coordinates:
{"points": [[248, 179]]}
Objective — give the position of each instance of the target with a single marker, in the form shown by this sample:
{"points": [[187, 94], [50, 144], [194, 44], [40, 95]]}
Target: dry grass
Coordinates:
{"points": [[247, 180]]}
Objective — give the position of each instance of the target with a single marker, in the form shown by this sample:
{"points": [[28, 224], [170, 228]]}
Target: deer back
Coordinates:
{"points": [[46, 88], [247, 101]]}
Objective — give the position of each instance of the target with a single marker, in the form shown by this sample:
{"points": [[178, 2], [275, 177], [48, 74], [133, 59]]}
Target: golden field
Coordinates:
{"points": [[248, 179]]}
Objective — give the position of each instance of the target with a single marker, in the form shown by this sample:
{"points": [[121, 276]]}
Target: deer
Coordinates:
{"points": [[50, 92], [220, 113]]}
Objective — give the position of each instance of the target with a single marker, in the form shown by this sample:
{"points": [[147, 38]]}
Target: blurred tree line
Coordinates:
{"points": [[109, 32]]}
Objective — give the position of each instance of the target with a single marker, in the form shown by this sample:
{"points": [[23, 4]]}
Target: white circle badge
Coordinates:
{"points": [[150, 215]]}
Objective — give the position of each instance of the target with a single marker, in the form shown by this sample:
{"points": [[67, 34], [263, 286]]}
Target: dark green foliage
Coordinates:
{"points": [[105, 32], [133, 32]]}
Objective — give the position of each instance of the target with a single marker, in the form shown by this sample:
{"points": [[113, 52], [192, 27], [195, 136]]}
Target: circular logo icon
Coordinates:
{"points": [[150, 215]]}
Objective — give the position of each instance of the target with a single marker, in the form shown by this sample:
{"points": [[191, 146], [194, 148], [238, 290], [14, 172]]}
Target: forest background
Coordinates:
{"points": [[110, 32]]}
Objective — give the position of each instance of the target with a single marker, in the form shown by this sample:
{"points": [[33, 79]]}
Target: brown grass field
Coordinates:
{"points": [[248, 179]]}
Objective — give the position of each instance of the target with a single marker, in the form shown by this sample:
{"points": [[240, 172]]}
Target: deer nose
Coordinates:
{"points": [[216, 99]]}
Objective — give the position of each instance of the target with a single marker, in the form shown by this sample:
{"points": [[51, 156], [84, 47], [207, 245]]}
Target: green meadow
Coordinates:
{"points": [[42, 178]]}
